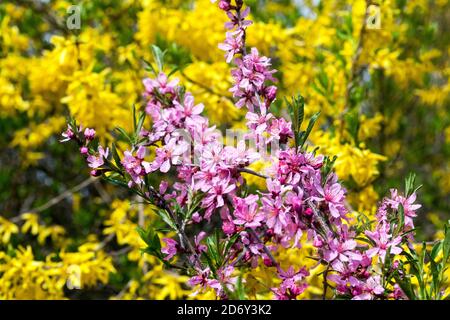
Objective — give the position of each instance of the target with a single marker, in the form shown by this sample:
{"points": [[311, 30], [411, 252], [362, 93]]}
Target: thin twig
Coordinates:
{"points": [[62, 196], [201, 85], [266, 250], [249, 171]]}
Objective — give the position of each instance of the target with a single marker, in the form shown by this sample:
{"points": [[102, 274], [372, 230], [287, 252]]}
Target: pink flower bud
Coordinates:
{"points": [[89, 134], [95, 173], [224, 5], [308, 212], [268, 262], [271, 93], [196, 217], [317, 243], [84, 150]]}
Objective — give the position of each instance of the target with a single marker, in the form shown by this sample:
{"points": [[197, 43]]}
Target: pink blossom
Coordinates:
{"points": [[292, 284], [214, 197], [236, 21], [341, 250], [383, 242], [370, 288], [233, 44], [333, 196], [161, 84], [96, 161], [170, 249], [135, 166], [67, 135], [188, 109], [247, 212], [169, 154]]}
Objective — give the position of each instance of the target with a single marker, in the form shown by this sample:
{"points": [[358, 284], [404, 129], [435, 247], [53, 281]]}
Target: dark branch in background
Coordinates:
{"points": [[208, 89], [47, 13], [355, 69]]}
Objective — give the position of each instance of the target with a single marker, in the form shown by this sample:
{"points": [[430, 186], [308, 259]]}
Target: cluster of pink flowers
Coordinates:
{"points": [[300, 197]]}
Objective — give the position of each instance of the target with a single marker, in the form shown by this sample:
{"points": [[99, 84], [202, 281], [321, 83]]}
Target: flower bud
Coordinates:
{"points": [[84, 150], [308, 212], [89, 134], [224, 5], [271, 93], [317, 243], [95, 173], [268, 262]]}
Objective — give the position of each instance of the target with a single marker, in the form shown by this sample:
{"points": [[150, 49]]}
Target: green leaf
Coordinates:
{"points": [[149, 67], [124, 135], [406, 286], [240, 291], [151, 238], [400, 219], [166, 218], [212, 248], [446, 243], [311, 123], [436, 249], [140, 123], [230, 243], [436, 284], [133, 112], [159, 57], [116, 182], [115, 154]]}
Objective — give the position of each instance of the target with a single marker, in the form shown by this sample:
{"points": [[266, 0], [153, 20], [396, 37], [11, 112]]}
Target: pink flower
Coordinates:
{"points": [[383, 242], [84, 150], [292, 284], [214, 197], [224, 5], [170, 249], [136, 166], [199, 248], [280, 130], [233, 44], [211, 156], [67, 135], [226, 279], [258, 123], [408, 206], [160, 84], [235, 21], [202, 279], [188, 109], [276, 214], [169, 154], [371, 288], [96, 161], [333, 196], [247, 212], [341, 250]]}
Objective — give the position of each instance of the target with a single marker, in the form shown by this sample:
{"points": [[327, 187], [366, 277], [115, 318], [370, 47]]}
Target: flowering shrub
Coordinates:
{"points": [[222, 228], [382, 91]]}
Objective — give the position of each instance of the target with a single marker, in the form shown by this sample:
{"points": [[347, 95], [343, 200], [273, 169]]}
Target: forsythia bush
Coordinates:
{"points": [[278, 181]]}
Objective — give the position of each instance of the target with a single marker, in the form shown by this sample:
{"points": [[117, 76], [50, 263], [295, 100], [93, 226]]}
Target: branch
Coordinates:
{"points": [[249, 171], [48, 14], [62, 196]]}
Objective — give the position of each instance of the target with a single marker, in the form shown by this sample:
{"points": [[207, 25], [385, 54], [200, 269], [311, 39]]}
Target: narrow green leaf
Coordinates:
{"points": [[311, 123], [159, 57], [166, 218], [406, 286], [115, 154]]}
